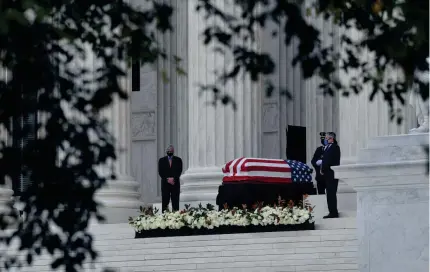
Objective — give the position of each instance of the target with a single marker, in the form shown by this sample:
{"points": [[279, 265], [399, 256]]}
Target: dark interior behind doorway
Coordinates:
{"points": [[296, 143]]}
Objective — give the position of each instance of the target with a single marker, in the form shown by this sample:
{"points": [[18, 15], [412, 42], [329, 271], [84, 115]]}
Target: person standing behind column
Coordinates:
{"points": [[331, 157], [170, 170], [316, 163]]}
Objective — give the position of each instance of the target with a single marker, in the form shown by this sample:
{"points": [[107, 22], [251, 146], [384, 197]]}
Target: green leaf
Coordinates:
{"points": [[164, 76], [308, 11], [28, 4], [180, 71], [4, 27], [15, 15]]}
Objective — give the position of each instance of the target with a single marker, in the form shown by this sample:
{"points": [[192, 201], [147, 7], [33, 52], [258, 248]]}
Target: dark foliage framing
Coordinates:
{"points": [[40, 40]]}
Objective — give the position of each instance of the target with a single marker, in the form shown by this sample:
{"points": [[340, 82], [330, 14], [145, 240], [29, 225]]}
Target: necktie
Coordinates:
{"points": [[170, 162]]}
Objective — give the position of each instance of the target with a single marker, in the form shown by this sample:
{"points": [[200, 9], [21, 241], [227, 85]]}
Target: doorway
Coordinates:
{"points": [[296, 143]]}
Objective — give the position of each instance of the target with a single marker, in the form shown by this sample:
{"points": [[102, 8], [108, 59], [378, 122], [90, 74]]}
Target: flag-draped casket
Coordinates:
{"points": [[267, 171], [251, 180]]}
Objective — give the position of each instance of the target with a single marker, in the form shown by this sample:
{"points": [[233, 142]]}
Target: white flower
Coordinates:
{"points": [[202, 218]]}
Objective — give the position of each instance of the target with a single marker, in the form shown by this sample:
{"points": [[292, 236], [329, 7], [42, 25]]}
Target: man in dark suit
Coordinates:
{"points": [[331, 157], [316, 163], [170, 170]]}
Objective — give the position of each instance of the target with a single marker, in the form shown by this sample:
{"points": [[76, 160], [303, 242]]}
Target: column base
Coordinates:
{"points": [[120, 199], [200, 185]]}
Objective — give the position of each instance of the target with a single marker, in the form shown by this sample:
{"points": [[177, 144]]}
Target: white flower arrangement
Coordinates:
{"points": [[208, 218]]}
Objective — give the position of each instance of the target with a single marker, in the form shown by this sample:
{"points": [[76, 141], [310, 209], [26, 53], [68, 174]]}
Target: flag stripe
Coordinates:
{"points": [[259, 165], [226, 168], [229, 166], [264, 160], [233, 167], [265, 168], [284, 165], [264, 174], [257, 178]]}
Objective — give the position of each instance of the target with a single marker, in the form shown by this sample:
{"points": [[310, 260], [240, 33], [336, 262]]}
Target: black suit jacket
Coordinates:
{"points": [[165, 171], [331, 157], [318, 155]]}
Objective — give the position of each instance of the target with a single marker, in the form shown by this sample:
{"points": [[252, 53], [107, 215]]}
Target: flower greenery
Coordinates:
{"points": [[208, 218]]}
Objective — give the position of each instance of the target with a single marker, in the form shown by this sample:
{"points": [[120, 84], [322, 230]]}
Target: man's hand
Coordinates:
{"points": [[171, 181], [319, 162]]}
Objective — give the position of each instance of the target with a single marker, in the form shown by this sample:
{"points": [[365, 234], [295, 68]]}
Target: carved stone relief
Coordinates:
{"points": [[270, 117], [143, 126]]}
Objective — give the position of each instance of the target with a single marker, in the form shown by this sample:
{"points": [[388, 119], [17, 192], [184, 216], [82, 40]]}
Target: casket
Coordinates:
{"points": [[251, 180], [266, 171]]}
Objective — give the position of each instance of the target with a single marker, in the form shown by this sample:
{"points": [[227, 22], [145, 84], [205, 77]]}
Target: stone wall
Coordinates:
{"points": [[172, 112], [308, 107], [355, 119]]}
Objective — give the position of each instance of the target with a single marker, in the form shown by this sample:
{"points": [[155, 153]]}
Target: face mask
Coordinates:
{"points": [[325, 142], [170, 154]]}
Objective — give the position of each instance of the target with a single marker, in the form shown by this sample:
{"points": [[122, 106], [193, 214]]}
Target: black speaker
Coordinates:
{"points": [[296, 143]]}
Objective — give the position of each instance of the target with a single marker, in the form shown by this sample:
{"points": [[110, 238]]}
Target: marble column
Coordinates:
{"points": [[120, 197], [321, 110], [172, 88], [218, 133]]}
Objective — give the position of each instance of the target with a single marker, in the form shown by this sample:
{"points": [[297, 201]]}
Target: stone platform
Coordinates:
{"points": [[392, 185], [332, 247], [346, 203]]}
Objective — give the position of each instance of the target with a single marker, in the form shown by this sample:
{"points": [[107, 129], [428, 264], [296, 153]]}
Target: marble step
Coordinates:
{"points": [[346, 203], [399, 140], [392, 154], [395, 148], [382, 171], [317, 250]]}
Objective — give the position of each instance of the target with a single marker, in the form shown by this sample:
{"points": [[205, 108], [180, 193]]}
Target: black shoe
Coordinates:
{"points": [[331, 216]]}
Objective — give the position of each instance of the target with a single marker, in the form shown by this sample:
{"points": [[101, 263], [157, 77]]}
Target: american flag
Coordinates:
{"points": [[267, 170], [301, 172]]}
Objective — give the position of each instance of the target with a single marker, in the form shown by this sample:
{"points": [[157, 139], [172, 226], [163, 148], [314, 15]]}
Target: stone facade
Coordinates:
{"points": [[167, 109], [206, 137]]}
